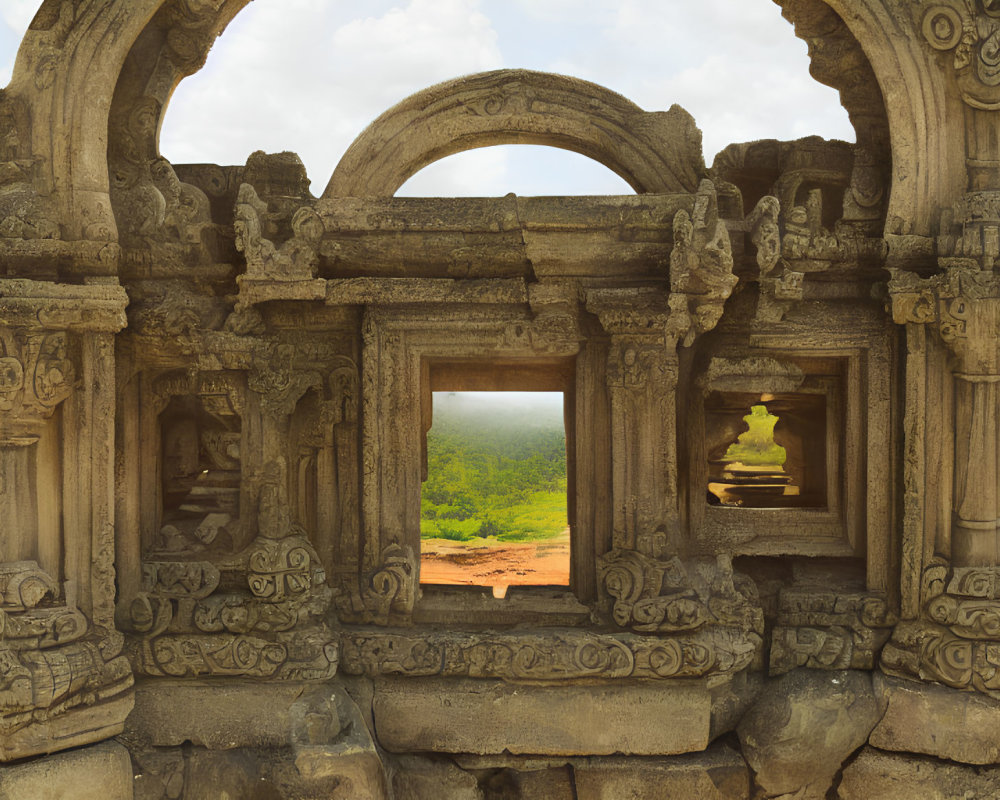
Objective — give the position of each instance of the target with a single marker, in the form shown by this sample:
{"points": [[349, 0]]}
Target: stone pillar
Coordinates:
{"points": [[975, 532], [964, 305], [64, 681], [642, 383]]}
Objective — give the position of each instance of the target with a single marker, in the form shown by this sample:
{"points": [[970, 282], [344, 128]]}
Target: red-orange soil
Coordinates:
{"points": [[497, 564]]}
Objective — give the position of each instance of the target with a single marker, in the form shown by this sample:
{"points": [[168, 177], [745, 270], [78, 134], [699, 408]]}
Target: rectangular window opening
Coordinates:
{"points": [[494, 501]]}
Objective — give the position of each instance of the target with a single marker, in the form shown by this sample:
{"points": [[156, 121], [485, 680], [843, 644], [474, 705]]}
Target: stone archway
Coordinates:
{"points": [[651, 151], [86, 49]]}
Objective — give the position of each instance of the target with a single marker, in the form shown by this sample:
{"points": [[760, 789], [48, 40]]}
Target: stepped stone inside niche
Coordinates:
{"points": [[778, 460]]}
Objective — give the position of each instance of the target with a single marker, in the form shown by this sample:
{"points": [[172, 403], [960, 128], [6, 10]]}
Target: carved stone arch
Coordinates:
{"points": [[69, 64], [926, 167], [652, 151], [67, 71]]}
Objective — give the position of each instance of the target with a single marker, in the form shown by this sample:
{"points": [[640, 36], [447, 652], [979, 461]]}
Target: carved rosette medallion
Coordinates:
{"points": [[970, 32]]}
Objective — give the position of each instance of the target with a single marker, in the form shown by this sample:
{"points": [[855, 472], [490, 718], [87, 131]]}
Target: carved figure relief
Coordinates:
{"points": [[701, 267]]}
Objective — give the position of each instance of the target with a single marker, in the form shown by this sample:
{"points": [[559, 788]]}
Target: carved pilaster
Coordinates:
{"points": [[62, 680], [963, 304], [642, 383]]}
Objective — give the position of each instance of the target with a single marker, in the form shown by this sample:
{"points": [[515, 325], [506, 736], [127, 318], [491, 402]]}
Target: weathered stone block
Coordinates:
{"points": [[418, 778], [555, 783], [339, 750], [719, 773], [99, 772], [473, 716], [214, 774], [892, 776], [218, 715], [938, 721], [803, 726]]}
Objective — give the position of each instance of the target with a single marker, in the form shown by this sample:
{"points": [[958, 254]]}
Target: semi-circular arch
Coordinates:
{"points": [[651, 151], [74, 54]]}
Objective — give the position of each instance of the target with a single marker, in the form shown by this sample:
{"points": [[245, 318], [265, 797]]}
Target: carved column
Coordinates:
{"points": [[62, 678], [642, 382], [964, 305]]}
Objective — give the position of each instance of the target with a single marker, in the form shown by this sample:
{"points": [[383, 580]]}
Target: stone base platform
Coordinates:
{"points": [[98, 772]]}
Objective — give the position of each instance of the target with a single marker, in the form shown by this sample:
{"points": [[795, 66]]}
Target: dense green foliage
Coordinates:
{"points": [[494, 471]]}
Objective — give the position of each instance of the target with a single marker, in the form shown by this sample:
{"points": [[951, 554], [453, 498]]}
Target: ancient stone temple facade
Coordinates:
{"points": [[216, 387]]}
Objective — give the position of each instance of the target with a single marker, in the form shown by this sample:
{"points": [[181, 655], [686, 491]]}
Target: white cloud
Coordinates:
{"points": [[527, 170], [310, 75], [19, 13], [480, 172], [298, 76], [15, 16]]}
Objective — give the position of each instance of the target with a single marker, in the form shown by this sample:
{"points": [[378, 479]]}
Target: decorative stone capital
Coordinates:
{"points": [[964, 305]]}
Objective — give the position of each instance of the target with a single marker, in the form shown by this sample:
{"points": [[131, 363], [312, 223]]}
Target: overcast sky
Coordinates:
{"points": [[310, 75]]}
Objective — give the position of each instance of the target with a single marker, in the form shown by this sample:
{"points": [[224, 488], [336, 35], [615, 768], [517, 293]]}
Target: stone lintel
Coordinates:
{"points": [[43, 305], [490, 717]]}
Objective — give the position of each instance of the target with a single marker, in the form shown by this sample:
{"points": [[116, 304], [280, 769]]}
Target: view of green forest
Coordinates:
{"points": [[495, 469]]}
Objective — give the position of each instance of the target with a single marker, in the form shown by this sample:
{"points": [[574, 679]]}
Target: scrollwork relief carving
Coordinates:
{"points": [[552, 655], [970, 31], [956, 640], [194, 617], [653, 595], [38, 371], [829, 630], [388, 594], [51, 664], [195, 579]]}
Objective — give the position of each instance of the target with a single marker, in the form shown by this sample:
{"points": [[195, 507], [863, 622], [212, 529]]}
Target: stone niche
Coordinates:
{"points": [[779, 389]]}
